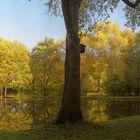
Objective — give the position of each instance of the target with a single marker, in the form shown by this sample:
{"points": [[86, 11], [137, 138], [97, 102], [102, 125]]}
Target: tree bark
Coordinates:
{"points": [[70, 110]]}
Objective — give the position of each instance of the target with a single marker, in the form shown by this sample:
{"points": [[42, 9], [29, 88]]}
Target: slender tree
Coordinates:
{"points": [[47, 66]]}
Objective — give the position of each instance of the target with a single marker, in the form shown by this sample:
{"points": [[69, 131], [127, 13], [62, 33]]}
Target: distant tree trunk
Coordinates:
{"points": [[44, 77], [5, 91], [1, 92], [35, 122], [70, 109], [21, 89], [33, 85]]}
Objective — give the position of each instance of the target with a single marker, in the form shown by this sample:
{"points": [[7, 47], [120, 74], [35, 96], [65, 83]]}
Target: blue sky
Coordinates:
{"points": [[28, 22]]}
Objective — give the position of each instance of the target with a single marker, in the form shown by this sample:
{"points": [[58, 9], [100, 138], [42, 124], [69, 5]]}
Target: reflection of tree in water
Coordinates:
{"points": [[95, 111], [43, 111], [117, 109], [3, 109], [13, 114], [27, 114], [98, 111], [24, 115]]}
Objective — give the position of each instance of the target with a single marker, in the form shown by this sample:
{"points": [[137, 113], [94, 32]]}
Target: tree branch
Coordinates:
{"points": [[131, 4]]}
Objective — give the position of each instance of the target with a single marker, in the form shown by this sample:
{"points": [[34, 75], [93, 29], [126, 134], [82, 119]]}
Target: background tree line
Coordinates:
{"points": [[110, 64], [116, 55]]}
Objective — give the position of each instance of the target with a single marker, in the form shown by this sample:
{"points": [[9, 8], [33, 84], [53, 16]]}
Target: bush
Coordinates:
{"points": [[117, 86]]}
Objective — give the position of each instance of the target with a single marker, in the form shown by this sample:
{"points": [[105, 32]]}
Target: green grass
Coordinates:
{"points": [[28, 96], [120, 129], [113, 98]]}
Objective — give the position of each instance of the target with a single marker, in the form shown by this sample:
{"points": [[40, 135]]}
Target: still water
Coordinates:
{"points": [[31, 113]]}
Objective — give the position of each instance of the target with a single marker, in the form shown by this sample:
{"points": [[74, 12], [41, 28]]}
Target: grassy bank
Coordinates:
{"points": [[29, 96], [113, 98], [119, 129]]}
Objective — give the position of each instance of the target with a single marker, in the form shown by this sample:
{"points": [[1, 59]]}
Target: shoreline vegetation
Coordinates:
{"points": [[24, 96]]}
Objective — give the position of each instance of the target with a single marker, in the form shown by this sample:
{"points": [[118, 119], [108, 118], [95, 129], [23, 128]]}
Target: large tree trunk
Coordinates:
{"points": [[70, 110]]}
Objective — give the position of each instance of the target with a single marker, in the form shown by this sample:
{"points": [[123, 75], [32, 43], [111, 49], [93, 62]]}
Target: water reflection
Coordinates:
{"points": [[24, 115], [98, 111], [95, 111], [43, 111]]}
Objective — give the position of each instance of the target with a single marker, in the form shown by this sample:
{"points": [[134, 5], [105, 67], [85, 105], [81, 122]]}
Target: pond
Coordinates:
{"points": [[24, 115], [103, 110]]}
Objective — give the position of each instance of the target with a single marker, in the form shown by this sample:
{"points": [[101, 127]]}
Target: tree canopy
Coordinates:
{"points": [[15, 65], [93, 11]]}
